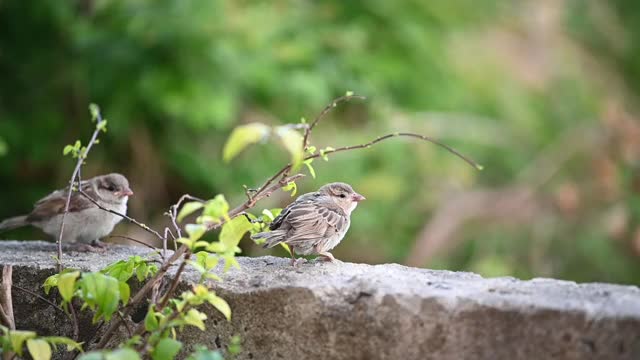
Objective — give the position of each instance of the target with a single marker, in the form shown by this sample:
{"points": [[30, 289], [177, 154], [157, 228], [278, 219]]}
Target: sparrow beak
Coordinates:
{"points": [[125, 192], [357, 197]]}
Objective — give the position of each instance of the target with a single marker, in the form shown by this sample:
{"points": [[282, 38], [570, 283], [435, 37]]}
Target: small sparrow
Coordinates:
{"points": [[315, 223], [85, 222]]}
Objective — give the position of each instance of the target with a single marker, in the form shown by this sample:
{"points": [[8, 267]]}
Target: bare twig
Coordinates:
{"points": [[39, 297], [325, 111], [174, 283], [81, 157], [6, 301], [74, 321], [134, 240], [129, 219]]}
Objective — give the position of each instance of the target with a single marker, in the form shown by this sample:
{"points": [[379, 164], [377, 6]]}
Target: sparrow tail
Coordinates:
{"points": [[14, 222], [272, 238]]}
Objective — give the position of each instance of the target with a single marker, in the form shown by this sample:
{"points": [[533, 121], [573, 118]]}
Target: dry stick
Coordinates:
{"points": [[76, 170], [325, 111], [129, 219], [6, 301], [39, 297]]}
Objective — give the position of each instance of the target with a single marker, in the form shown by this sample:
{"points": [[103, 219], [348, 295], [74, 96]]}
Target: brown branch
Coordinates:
{"points": [[174, 283], [6, 301], [74, 177], [40, 297], [325, 111], [389, 136], [129, 219]]}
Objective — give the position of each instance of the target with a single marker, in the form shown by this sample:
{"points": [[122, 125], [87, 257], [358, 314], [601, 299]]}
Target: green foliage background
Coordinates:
{"points": [[502, 81]]}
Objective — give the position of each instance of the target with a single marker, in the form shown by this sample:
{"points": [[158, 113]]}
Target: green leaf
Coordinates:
{"points": [[292, 141], [151, 321], [268, 214], [243, 136], [50, 282], [18, 337], [291, 186], [67, 149], [323, 152], [141, 271], [348, 93], [39, 349], [188, 209], [311, 169], [220, 304], [125, 292], [61, 340], [202, 353], [67, 285], [166, 349], [217, 207], [232, 231], [102, 125], [94, 110], [94, 355], [101, 293], [195, 231], [123, 354], [195, 318]]}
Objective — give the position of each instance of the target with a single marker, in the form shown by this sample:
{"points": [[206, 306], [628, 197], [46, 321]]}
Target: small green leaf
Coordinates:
{"points": [[243, 136], [125, 292], [39, 349], [67, 285], [268, 214], [220, 304], [67, 149], [188, 208], [311, 170], [94, 355], [166, 349], [202, 353], [323, 152], [123, 354], [217, 207], [142, 270], [61, 340], [291, 186], [349, 93], [195, 318], [150, 320], [102, 125], [18, 337], [195, 231], [311, 149], [232, 231], [100, 293], [50, 282], [94, 110], [292, 141]]}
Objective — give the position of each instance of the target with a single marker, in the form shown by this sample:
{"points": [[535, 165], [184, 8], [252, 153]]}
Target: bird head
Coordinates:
{"points": [[342, 195], [113, 188]]}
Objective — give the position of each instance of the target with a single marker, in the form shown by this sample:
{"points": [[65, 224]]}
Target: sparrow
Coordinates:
{"points": [[315, 222], [85, 222]]}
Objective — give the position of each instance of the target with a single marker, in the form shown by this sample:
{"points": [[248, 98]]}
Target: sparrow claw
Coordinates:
{"points": [[296, 262], [326, 257], [99, 244]]}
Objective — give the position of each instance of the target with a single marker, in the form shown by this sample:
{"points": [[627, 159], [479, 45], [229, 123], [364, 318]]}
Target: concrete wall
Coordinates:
{"points": [[355, 311]]}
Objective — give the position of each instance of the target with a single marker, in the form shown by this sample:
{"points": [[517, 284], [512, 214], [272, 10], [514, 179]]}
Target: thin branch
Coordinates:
{"points": [[6, 301], [74, 176], [325, 111], [389, 136], [134, 240], [129, 219], [174, 283], [125, 324], [39, 297], [74, 320]]}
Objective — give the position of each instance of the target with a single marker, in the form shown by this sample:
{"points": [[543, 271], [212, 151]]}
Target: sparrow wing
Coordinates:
{"points": [[54, 203], [278, 221], [313, 220]]}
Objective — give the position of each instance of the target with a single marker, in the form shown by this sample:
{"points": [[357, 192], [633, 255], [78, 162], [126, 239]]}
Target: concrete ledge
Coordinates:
{"points": [[355, 311]]}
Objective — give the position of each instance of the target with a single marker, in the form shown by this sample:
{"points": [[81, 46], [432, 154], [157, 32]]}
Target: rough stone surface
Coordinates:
{"points": [[355, 311]]}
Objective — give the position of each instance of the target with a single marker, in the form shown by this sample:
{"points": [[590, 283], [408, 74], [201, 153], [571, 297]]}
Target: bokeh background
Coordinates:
{"points": [[543, 93]]}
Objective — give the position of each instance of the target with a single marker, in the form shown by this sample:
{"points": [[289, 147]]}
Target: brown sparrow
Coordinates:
{"points": [[315, 223], [85, 223]]}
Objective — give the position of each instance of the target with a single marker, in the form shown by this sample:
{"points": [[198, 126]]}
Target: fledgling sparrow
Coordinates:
{"points": [[85, 222], [315, 223]]}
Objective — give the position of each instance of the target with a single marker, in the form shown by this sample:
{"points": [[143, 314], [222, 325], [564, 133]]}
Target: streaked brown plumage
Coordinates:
{"points": [[315, 223], [85, 222]]}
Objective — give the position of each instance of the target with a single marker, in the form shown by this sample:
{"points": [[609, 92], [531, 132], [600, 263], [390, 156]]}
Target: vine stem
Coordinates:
{"points": [[75, 176]]}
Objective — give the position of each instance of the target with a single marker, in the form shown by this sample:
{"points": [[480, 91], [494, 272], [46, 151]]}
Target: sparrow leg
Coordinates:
{"points": [[327, 256], [295, 262], [99, 244]]}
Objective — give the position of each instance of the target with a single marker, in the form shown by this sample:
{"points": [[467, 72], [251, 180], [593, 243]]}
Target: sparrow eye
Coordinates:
{"points": [[111, 188], [342, 196]]}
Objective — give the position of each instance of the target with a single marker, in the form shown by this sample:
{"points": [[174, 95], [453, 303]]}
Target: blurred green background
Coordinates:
{"points": [[543, 93]]}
